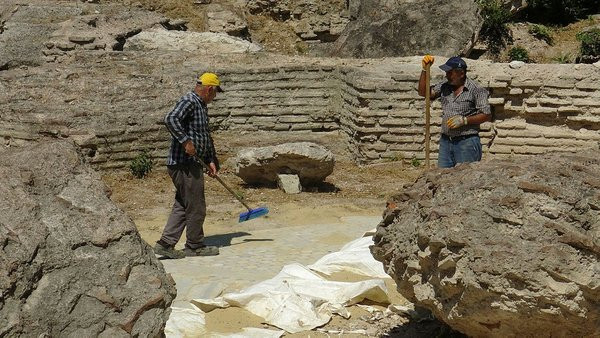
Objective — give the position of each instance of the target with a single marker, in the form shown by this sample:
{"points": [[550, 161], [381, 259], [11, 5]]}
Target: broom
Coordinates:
{"points": [[244, 216]]}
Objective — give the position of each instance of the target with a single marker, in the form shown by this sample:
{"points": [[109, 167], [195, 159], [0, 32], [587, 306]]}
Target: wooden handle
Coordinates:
{"points": [[427, 113], [197, 158]]}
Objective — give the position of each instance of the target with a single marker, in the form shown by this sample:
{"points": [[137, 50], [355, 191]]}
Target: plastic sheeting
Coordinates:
{"points": [[190, 323], [184, 323], [298, 299], [354, 257]]}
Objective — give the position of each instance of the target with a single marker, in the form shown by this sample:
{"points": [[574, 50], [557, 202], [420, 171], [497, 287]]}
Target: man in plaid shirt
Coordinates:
{"points": [[464, 107], [188, 125]]}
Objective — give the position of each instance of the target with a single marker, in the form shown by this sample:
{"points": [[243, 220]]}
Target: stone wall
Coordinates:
{"points": [[113, 107], [293, 98]]}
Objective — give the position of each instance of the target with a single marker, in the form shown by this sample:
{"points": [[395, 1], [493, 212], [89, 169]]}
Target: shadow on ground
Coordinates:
{"points": [[324, 187], [423, 329], [222, 240]]}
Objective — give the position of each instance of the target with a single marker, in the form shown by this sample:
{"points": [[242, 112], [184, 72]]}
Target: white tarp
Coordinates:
{"points": [[355, 257], [190, 323], [250, 332], [184, 323], [298, 299]]}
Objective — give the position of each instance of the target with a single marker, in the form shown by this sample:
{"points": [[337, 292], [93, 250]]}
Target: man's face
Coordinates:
{"points": [[455, 76], [211, 92]]}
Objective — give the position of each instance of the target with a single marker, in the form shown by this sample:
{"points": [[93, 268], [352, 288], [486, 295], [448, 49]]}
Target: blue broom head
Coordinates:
{"points": [[254, 213]]}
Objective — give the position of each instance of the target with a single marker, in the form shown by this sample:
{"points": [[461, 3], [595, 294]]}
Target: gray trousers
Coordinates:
{"points": [[189, 208]]}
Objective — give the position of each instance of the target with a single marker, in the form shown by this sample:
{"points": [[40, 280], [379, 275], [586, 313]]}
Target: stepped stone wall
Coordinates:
{"points": [[113, 105]]}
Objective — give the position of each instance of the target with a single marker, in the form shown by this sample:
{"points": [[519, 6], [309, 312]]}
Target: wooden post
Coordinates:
{"points": [[427, 112]]}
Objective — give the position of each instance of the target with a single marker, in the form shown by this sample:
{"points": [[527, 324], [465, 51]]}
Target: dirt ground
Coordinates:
{"points": [[349, 190]]}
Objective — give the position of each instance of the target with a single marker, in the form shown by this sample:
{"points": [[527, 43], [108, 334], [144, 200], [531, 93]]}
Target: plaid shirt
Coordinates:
{"points": [[473, 100], [189, 121]]}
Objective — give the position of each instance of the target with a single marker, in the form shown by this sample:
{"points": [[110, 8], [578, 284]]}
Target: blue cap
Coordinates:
{"points": [[454, 62]]}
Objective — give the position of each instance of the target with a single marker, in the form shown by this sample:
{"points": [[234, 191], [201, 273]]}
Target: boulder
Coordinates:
{"points": [[310, 161], [386, 28], [500, 248], [72, 264]]}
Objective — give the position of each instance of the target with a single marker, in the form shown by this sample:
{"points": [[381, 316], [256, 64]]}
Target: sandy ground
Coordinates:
{"points": [[350, 190]]}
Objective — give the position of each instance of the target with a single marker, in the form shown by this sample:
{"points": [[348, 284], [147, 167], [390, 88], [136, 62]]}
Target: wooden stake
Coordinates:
{"points": [[427, 112]]}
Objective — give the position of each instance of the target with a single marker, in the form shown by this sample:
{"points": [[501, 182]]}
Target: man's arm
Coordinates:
{"points": [[422, 85], [484, 112], [479, 118], [173, 122], [174, 118], [426, 62]]}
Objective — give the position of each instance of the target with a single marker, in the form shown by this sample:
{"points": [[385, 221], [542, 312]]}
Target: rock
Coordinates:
{"points": [[318, 21], [290, 184], [71, 262], [516, 64], [500, 248], [203, 43], [386, 28], [24, 28], [310, 161], [221, 20]]}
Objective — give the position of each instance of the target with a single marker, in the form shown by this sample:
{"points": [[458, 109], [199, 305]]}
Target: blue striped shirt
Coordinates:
{"points": [[471, 101], [189, 121]]}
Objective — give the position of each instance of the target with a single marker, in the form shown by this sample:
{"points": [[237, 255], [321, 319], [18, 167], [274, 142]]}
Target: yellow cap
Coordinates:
{"points": [[210, 79]]}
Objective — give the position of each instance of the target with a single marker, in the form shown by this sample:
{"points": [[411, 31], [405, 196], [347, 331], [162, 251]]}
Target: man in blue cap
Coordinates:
{"points": [[464, 107]]}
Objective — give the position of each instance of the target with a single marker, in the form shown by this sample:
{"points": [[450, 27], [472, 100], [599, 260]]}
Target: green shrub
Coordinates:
{"points": [[564, 58], [590, 42], [415, 162], [494, 31], [560, 11], [141, 165], [541, 32], [302, 48], [518, 53], [395, 157]]}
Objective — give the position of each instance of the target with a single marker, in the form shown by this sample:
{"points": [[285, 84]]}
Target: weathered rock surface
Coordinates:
{"points": [[315, 21], [310, 161], [501, 248], [24, 28], [401, 28], [43, 31], [201, 43], [290, 184], [71, 263], [222, 20]]}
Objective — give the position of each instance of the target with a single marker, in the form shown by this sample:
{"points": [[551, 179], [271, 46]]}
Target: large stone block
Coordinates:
{"points": [[311, 162], [510, 251], [393, 28], [72, 263]]}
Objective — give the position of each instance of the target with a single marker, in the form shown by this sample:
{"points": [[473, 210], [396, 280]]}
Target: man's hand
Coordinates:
{"points": [[212, 172], [456, 121], [189, 148], [427, 60]]}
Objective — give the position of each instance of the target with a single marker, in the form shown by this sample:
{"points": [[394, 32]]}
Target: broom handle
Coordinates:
{"points": [[197, 158], [427, 108]]}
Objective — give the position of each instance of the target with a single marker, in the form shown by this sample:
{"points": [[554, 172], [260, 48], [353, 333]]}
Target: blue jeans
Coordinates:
{"points": [[458, 150]]}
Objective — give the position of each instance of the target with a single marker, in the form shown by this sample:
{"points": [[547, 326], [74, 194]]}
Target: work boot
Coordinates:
{"points": [[168, 251], [201, 251]]}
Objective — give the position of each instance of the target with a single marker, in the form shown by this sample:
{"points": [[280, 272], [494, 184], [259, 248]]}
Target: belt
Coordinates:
{"points": [[459, 137]]}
